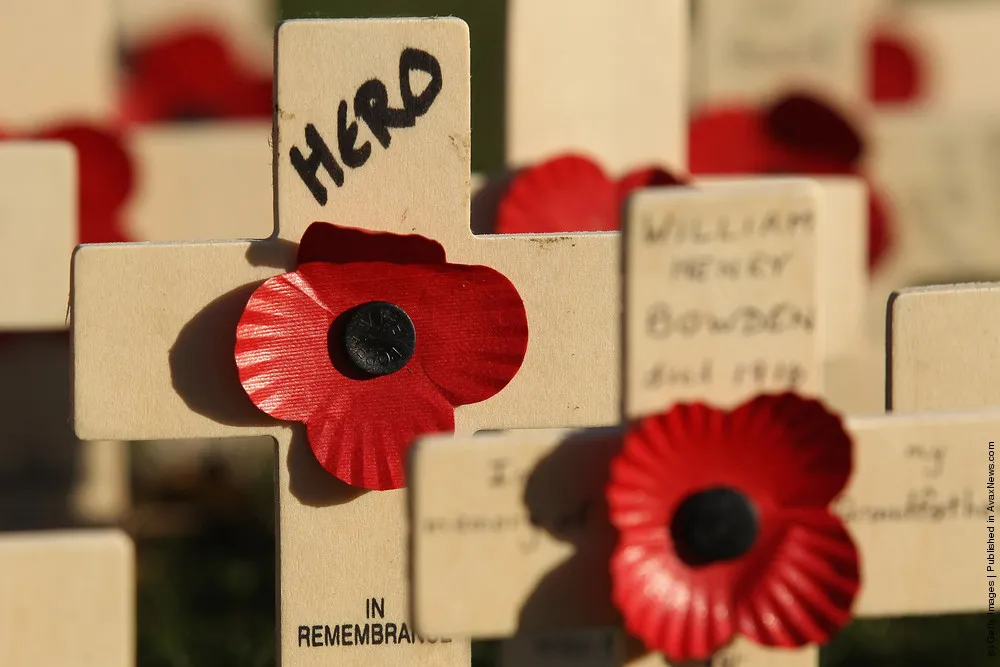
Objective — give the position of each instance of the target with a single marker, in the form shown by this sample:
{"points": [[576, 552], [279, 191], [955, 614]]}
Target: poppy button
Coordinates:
{"points": [[714, 525], [379, 338]]}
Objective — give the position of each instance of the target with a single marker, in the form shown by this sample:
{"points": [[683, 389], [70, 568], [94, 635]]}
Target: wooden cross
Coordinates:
{"points": [[160, 319], [509, 534], [747, 52], [47, 477], [503, 543], [67, 598]]}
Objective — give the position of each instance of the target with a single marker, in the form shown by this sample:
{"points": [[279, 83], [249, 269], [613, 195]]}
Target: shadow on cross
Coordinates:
{"points": [[564, 496], [486, 202]]}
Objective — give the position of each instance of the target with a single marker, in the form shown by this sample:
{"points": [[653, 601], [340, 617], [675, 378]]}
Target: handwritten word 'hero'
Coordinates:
{"points": [[371, 106]]}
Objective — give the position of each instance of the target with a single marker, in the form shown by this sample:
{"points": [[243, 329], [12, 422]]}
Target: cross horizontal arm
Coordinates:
{"points": [[510, 532], [154, 327]]}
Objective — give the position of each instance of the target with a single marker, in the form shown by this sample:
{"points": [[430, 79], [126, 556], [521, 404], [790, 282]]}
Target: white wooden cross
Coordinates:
{"points": [[72, 80], [160, 319], [67, 599], [509, 534]]}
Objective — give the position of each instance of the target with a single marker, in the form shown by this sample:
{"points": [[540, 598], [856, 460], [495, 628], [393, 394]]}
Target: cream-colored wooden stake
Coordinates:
{"points": [[59, 62], [509, 533], [583, 77], [202, 183], [748, 51], [38, 230], [599, 78], [160, 319], [67, 599], [943, 348]]}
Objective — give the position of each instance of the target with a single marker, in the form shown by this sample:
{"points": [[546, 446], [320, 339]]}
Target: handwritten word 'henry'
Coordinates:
{"points": [[371, 106]]}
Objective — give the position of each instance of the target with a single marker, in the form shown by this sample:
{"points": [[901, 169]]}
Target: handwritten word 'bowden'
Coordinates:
{"points": [[662, 322], [371, 105]]}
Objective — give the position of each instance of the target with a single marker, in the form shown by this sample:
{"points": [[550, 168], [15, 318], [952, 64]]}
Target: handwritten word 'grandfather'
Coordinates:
{"points": [[371, 106]]}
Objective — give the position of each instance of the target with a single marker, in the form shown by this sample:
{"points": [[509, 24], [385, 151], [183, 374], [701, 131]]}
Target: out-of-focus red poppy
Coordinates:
{"points": [[896, 74], [570, 193], [798, 134], [192, 75]]}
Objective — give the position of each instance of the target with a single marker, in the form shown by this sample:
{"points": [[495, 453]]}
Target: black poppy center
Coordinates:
{"points": [[717, 524], [379, 338]]}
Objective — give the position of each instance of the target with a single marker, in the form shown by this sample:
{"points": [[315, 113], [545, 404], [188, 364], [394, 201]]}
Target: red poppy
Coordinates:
{"points": [[372, 342], [796, 135], [725, 528], [570, 193], [192, 74], [897, 75], [106, 176]]}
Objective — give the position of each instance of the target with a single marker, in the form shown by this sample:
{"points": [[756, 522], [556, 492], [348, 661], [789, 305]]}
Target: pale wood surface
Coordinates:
{"points": [[936, 171], [202, 183], [67, 599], [38, 229], [957, 42], [944, 352], [748, 51], [59, 61], [160, 319], [721, 293], [598, 78], [488, 558]]}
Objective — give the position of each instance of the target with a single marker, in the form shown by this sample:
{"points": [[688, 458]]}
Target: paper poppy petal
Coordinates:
{"points": [[678, 616], [897, 75], [804, 123], [324, 242], [361, 436], [282, 339], [106, 176], [478, 332], [805, 586], [565, 194], [809, 456]]}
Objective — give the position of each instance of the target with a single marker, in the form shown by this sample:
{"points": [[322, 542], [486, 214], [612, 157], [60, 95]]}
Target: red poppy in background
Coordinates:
{"points": [[192, 74], [897, 75], [570, 193], [725, 528], [796, 135], [106, 176], [372, 342]]}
